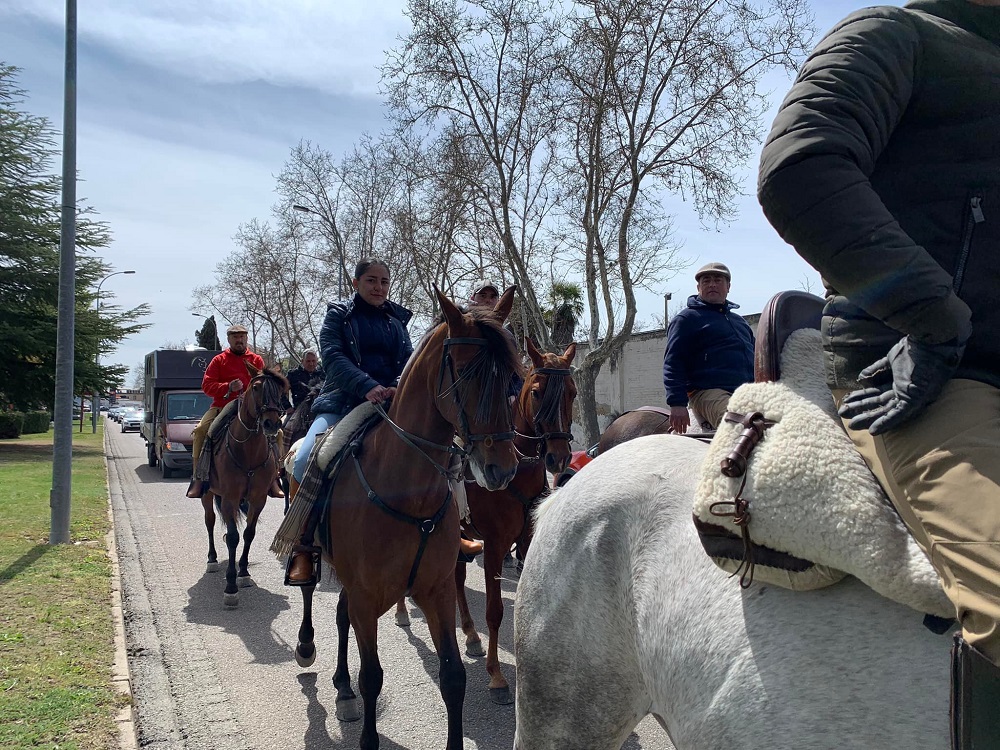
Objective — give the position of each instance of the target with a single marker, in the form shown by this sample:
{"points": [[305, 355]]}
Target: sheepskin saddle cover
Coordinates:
{"points": [[330, 443], [810, 493]]}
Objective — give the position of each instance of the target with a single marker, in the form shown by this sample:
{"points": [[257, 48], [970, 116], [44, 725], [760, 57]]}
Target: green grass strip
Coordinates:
{"points": [[56, 632]]}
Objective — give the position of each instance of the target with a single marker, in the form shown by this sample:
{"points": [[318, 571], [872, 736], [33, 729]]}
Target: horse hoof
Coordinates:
{"points": [[212, 567], [403, 619], [501, 696], [475, 649], [245, 582], [303, 659], [230, 601], [347, 709]]}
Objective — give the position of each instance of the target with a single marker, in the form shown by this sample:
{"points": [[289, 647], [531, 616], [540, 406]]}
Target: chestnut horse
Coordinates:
{"points": [[244, 463], [542, 439], [392, 526]]}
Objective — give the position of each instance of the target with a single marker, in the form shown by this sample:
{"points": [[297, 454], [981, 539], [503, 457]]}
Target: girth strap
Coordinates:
{"points": [[425, 526]]}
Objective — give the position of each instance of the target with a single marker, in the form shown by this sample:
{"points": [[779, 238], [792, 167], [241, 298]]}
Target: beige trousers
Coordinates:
{"points": [[199, 433], [710, 404], [942, 472]]}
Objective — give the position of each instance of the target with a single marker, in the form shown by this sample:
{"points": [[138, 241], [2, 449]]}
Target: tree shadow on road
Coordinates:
{"points": [[253, 626]]}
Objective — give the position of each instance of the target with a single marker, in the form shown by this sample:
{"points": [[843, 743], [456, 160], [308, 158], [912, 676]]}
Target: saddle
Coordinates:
{"points": [[218, 428], [785, 498]]}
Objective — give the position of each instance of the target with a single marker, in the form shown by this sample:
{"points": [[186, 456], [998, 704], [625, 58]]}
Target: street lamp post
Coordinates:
{"points": [[95, 404], [331, 224]]}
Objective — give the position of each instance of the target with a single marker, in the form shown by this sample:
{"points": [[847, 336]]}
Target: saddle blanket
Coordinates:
{"points": [[329, 443], [810, 493]]}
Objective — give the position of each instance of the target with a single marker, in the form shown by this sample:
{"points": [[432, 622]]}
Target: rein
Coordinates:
{"points": [[426, 526]]}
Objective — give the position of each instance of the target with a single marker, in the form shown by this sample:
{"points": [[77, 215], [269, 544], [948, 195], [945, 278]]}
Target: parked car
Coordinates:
{"points": [[114, 412], [577, 461], [131, 420]]}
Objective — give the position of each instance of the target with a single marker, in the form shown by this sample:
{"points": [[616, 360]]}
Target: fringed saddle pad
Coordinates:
{"points": [[327, 455], [809, 494]]}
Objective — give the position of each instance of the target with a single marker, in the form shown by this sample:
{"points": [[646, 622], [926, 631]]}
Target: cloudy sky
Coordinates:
{"points": [[188, 109]]}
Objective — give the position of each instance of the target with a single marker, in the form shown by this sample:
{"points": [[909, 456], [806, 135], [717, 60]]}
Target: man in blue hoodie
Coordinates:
{"points": [[709, 351]]}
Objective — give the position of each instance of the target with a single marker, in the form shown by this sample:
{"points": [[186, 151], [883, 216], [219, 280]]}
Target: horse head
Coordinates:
{"points": [[477, 361], [263, 401], [546, 403]]}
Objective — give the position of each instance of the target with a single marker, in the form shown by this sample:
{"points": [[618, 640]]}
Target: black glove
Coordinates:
{"points": [[904, 382]]}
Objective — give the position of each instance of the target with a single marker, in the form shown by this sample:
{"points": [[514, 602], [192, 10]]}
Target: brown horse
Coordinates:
{"points": [[392, 527], [542, 427], [647, 420], [244, 463]]}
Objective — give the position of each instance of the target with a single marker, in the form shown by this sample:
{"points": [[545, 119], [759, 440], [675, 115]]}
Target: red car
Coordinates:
{"points": [[577, 461]]}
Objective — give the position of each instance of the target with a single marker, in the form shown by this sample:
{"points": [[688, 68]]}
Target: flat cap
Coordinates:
{"points": [[484, 284], [236, 328], [714, 267]]}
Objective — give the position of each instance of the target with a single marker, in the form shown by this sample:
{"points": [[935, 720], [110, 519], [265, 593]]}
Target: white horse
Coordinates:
{"points": [[620, 613]]}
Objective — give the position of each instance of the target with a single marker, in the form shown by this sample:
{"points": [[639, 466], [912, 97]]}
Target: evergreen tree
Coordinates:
{"points": [[29, 268], [208, 336]]}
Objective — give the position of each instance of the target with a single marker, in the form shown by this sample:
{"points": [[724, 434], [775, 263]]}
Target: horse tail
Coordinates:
{"points": [[240, 517]]}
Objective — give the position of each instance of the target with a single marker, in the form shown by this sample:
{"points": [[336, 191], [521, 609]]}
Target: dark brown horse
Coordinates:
{"points": [[392, 526], [646, 420], [244, 463], [542, 423]]}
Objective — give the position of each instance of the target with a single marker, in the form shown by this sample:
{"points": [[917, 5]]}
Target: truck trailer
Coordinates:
{"points": [[173, 405]]}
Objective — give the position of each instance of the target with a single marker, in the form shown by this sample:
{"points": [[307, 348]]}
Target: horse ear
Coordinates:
{"points": [[254, 372], [536, 356], [569, 353], [451, 312], [502, 308]]}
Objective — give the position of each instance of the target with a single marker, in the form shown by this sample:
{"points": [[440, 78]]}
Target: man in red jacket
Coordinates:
{"points": [[226, 377]]}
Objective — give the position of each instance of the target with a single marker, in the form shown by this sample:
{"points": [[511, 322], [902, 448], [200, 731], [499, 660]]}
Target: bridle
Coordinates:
{"points": [[479, 365], [469, 438], [550, 409], [271, 402]]}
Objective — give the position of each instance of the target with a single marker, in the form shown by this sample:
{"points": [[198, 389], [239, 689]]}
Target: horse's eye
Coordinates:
{"points": [[536, 394]]}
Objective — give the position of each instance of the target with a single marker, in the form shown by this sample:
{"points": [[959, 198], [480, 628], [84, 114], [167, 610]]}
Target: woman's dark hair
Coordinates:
{"points": [[365, 263]]}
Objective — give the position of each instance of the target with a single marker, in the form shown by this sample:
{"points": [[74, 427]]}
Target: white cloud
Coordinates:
{"points": [[335, 47]]}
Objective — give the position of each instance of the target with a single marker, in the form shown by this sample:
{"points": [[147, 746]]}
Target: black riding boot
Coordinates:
{"points": [[975, 699]]}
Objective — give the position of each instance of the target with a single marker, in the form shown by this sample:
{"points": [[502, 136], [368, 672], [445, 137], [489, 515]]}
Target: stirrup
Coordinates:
{"points": [[191, 486], [316, 553]]}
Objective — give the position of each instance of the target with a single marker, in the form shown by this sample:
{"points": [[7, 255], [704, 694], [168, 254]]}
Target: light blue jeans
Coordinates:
{"points": [[321, 423]]}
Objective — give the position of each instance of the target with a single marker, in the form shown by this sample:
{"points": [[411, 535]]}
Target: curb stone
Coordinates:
{"points": [[121, 677]]}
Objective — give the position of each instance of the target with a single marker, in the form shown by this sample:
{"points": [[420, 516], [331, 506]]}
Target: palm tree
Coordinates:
{"points": [[566, 300]]}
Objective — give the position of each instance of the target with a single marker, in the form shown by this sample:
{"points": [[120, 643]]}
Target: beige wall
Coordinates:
{"points": [[636, 381]]}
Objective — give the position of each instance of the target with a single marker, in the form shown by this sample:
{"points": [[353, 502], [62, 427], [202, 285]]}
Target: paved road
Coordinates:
{"points": [[207, 677]]}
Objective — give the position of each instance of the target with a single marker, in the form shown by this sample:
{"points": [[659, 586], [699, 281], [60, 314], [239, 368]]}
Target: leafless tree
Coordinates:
{"points": [[664, 99], [274, 283], [481, 71]]}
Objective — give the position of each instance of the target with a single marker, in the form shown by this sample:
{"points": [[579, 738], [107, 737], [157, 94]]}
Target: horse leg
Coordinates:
{"points": [[364, 619], [231, 598], [305, 649], [473, 643], [243, 579], [208, 503], [440, 613], [347, 701], [492, 564], [402, 616]]}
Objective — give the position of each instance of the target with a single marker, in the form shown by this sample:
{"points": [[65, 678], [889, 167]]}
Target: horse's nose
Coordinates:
{"points": [[497, 477], [556, 464]]}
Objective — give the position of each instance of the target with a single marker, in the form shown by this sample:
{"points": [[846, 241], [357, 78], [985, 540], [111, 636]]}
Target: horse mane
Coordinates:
{"points": [[271, 372], [498, 342]]}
